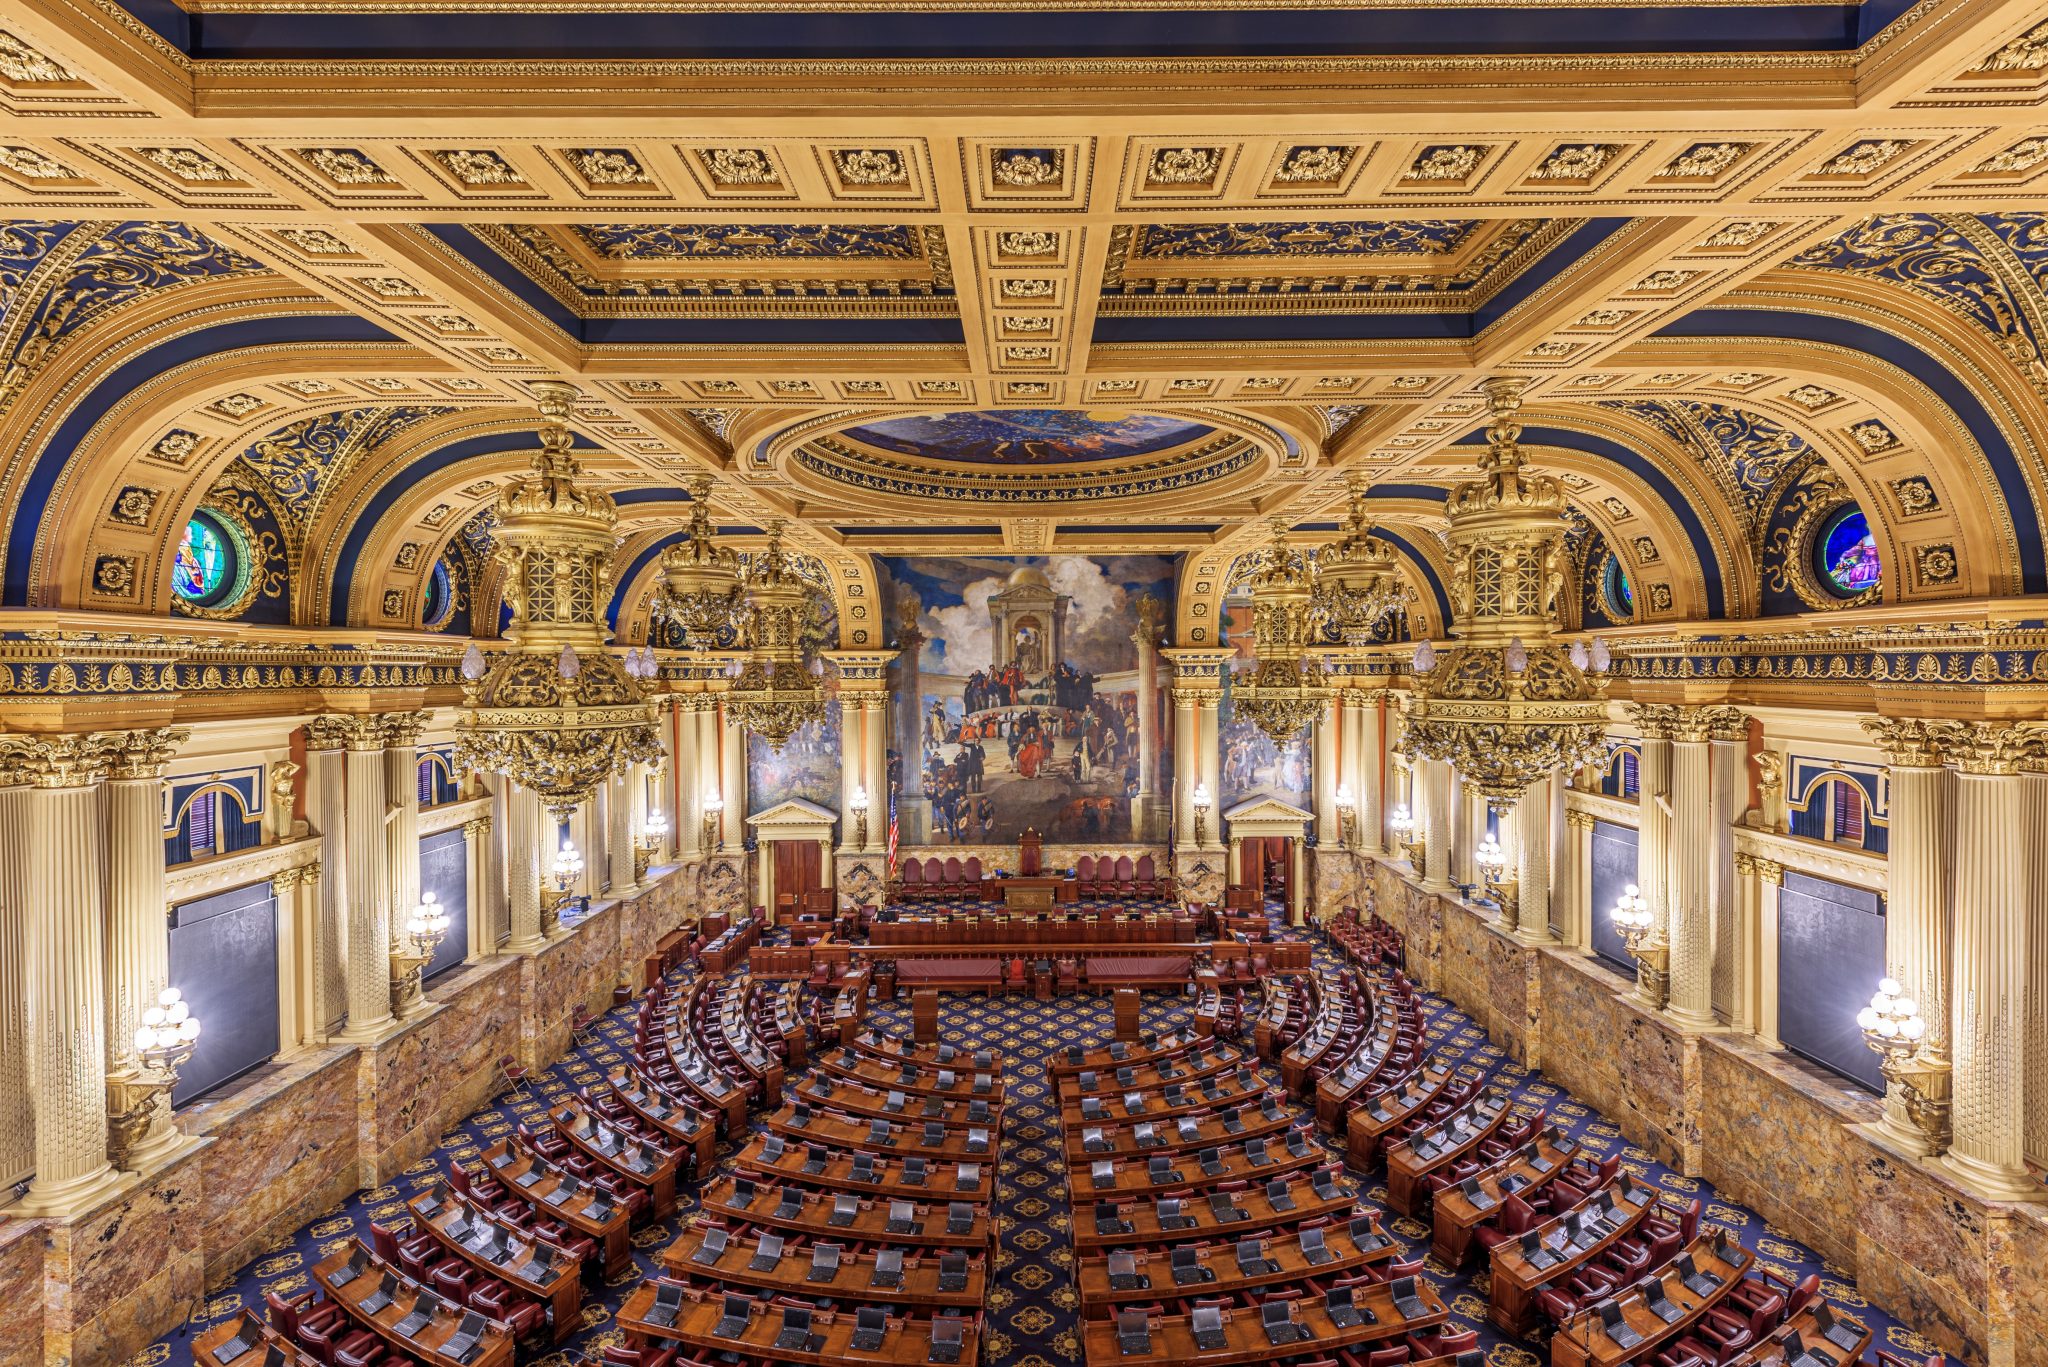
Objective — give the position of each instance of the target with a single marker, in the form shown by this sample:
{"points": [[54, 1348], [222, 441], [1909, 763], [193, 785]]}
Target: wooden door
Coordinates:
{"points": [[796, 871], [1251, 865]]}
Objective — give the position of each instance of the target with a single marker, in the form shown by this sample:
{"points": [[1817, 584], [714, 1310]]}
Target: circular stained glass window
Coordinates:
{"points": [[1845, 554], [203, 570], [440, 597], [1620, 594]]}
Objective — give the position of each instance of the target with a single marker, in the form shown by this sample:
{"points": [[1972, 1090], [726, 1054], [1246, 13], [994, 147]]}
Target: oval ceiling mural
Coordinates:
{"points": [[1028, 436]]}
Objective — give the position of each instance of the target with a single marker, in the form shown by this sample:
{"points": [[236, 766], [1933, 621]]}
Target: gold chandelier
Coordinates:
{"points": [[1284, 690], [1358, 580], [776, 692], [557, 713], [1506, 704], [700, 594]]}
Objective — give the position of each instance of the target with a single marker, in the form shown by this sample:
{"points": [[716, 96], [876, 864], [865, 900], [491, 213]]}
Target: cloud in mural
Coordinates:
{"points": [[960, 638]]}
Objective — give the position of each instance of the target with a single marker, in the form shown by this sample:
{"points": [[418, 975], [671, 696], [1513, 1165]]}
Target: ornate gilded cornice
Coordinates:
{"points": [[346, 731]]}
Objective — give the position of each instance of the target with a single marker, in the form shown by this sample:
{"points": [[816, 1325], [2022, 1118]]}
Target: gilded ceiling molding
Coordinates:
{"points": [[1632, 519]]}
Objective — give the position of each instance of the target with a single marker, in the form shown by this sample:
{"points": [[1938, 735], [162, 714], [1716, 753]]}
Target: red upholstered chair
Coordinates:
{"points": [[502, 1301], [1395, 1356], [1757, 1299], [618, 1355], [1802, 1296], [1718, 1336], [512, 1079], [453, 1279], [360, 1349], [1442, 1343]]}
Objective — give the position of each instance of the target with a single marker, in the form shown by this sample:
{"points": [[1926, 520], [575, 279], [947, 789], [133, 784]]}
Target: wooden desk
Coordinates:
{"points": [[940, 1185], [1099, 1298], [1455, 1218], [1021, 894], [1232, 1089], [1121, 1135], [258, 1339], [559, 1286], [907, 1136], [853, 1283], [1371, 1067], [924, 1015], [609, 1230], [1440, 1145], [855, 1099], [1125, 1003], [1512, 1300], [870, 1223], [1151, 1077], [924, 1055], [906, 1344], [1260, 1215], [1173, 1339], [1134, 1179], [494, 1349], [1176, 1047], [686, 1126], [1582, 1340], [654, 1170], [1367, 1126], [921, 1080], [1771, 1352]]}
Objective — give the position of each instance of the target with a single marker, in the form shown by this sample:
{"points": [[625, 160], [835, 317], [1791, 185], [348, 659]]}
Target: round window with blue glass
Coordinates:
{"points": [[206, 566], [1845, 554], [440, 600], [1619, 593]]}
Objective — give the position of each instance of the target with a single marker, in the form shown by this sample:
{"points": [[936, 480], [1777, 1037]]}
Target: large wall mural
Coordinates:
{"points": [[1019, 706], [1253, 766], [807, 768]]}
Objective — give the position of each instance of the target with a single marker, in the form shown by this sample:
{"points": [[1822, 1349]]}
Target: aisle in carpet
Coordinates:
{"points": [[1032, 1308]]}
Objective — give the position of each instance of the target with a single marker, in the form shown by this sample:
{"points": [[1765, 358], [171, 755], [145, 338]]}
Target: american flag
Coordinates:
{"points": [[894, 832]]}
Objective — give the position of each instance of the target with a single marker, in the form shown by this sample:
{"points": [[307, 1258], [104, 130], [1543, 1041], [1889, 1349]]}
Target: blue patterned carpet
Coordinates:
{"points": [[1032, 1305]]}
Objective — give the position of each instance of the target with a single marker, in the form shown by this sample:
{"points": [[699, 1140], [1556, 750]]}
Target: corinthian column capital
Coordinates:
{"points": [[402, 729], [1993, 748], [345, 731], [68, 761], [145, 754], [1657, 721], [1914, 742]]}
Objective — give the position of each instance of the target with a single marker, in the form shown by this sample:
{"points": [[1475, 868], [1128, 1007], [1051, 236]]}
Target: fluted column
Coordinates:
{"points": [[138, 941], [367, 854], [1653, 828], [875, 725], [1727, 800], [17, 1111], [686, 822], [1186, 772], [1209, 757], [619, 835], [1690, 894], [1362, 727], [525, 827], [1434, 775], [1532, 879], [326, 806], [1990, 905], [1323, 766], [710, 762], [1916, 925], [402, 835], [1769, 880], [64, 877], [733, 769], [1577, 919], [1146, 639]]}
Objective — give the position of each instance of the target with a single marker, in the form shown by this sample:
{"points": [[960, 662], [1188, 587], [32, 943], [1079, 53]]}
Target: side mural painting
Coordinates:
{"points": [[1019, 696], [808, 765], [1252, 764]]}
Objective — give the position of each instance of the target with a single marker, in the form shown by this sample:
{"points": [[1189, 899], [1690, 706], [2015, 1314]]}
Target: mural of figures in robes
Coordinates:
{"points": [[1024, 689], [1252, 764]]}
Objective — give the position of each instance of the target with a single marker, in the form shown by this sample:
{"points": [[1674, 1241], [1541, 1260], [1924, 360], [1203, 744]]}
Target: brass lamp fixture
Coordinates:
{"points": [[776, 693], [1284, 690], [1506, 703], [557, 713], [1892, 1026], [1493, 874], [1358, 580], [426, 925], [139, 1115], [700, 593], [655, 832], [1402, 823], [1632, 917]]}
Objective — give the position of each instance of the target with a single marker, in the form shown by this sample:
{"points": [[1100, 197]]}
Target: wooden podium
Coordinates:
{"points": [[924, 1015], [1030, 854], [1126, 1001]]}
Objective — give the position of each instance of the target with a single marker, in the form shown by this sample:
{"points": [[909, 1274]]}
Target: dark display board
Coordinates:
{"points": [[224, 959], [444, 871], [1830, 957], [1614, 868]]}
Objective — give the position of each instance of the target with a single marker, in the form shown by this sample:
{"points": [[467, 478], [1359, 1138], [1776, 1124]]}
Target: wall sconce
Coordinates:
{"points": [[714, 808], [1631, 916], [1493, 865], [1412, 846], [139, 1103], [1892, 1027], [1347, 816], [426, 925], [567, 868], [655, 831], [859, 803], [1201, 805]]}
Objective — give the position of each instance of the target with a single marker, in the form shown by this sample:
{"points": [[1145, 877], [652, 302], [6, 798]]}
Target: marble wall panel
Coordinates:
{"points": [[1617, 1057], [2019, 1252], [275, 1157], [115, 1278], [21, 1290], [1337, 879], [420, 1081], [579, 969]]}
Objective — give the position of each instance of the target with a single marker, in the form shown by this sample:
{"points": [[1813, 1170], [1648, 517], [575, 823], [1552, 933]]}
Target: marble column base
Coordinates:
{"points": [[1993, 1181], [69, 1199]]}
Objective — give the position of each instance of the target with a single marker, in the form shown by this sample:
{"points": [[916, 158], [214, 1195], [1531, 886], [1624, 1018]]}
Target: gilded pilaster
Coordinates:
{"points": [[1435, 777], [327, 806], [1653, 824], [1532, 877], [17, 1112], [1362, 729], [65, 901], [1991, 899], [1575, 919], [366, 853], [402, 841], [525, 824], [1727, 800], [1689, 894], [1323, 769], [1186, 773], [619, 833]]}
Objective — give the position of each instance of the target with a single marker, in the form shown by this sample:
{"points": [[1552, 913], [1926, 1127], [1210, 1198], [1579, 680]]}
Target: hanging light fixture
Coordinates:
{"points": [[777, 691], [700, 592], [1505, 703], [557, 713], [1358, 579], [1284, 689]]}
